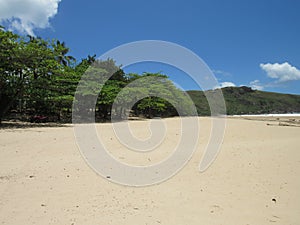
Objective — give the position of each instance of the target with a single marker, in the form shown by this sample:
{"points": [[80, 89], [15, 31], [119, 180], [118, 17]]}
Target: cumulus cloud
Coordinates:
{"points": [[282, 72], [256, 85], [26, 15], [225, 84]]}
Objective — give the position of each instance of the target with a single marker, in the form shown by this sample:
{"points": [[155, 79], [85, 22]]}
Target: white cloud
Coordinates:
{"points": [[256, 85], [282, 72], [26, 15], [225, 84]]}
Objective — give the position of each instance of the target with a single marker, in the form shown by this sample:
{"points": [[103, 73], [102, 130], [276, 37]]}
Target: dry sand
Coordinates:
{"points": [[254, 180]]}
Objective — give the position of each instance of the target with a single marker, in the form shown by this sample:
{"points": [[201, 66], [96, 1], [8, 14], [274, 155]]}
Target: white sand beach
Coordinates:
{"points": [[254, 179]]}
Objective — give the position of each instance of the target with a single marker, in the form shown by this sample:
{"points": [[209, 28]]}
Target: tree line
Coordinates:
{"points": [[39, 79]]}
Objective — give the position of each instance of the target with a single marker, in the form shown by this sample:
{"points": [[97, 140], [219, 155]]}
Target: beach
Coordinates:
{"points": [[254, 180]]}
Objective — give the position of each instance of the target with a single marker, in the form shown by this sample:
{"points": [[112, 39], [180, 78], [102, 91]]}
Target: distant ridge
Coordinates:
{"points": [[245, 100]]}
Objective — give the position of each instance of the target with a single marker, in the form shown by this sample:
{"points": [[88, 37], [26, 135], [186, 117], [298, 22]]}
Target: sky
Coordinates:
{"points": [[244, 42]]}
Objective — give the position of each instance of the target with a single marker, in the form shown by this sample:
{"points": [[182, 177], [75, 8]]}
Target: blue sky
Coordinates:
{"points": [[245, 42]]}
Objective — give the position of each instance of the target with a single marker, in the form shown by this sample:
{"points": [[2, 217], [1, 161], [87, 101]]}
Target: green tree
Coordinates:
{"points": [[11, 79], [39, 77], [23, 60], [154, 95], [30, 68], [61, 51]]}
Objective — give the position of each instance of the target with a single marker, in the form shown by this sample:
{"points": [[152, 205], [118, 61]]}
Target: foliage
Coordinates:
{"points": [[39, 79], [244, 100], [36, 77]]}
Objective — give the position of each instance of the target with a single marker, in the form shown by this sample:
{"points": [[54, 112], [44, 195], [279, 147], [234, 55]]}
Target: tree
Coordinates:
{"points": [[11, 75], [61, 52], [28, 67], [153, 94], [39, 77], [22, 61]]}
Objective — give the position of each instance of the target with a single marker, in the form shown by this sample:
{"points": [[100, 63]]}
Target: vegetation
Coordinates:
{"points": [[244, 100], [39, 79]]}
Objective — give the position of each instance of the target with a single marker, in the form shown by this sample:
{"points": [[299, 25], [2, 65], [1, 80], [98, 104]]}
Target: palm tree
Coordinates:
{"points": [[91, 59], [61, 53]]}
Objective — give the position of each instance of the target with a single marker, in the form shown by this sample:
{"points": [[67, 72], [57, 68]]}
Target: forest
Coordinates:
{"points": [[39, 79], [40, 82]]}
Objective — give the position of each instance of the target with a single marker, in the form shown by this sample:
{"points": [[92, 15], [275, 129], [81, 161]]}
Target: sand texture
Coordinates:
{"points": [[254, 180]]}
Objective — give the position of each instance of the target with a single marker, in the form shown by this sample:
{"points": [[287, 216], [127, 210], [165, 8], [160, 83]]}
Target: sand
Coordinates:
{"points": [[254, 179]]}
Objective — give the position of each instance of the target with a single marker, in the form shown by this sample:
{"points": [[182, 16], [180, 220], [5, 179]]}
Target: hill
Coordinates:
{"points": [[244, 100]]}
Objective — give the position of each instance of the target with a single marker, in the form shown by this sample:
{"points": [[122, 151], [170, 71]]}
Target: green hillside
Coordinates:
{"points": [[244, 100]]}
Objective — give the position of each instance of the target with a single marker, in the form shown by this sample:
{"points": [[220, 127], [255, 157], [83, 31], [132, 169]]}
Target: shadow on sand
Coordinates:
{"points": [[24, 125]]}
